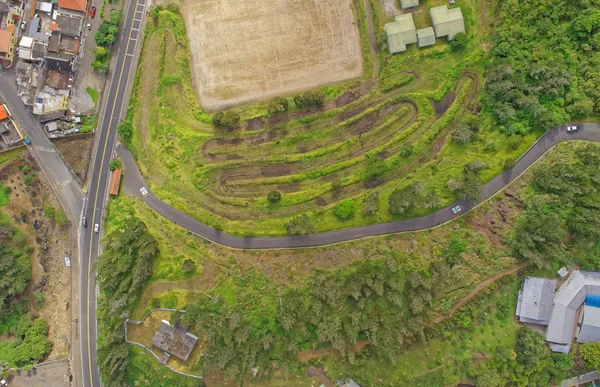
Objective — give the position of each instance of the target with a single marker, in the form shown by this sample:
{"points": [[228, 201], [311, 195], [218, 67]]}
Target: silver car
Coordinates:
{"points": [[456, 209], [573, 128], [96, 228]]}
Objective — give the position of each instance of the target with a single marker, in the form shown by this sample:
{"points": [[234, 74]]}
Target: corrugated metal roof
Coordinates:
{"points": [[447, 22], [590, 327], [593, 300], [408, 3], [400, 33], [115, 180], [536, 300], [567, 300]]}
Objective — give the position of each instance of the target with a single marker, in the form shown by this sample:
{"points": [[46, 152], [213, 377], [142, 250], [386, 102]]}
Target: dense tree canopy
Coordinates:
{"points": [[123, 268], [544, 64]]}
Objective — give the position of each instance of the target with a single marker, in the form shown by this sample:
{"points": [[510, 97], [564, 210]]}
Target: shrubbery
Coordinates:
{"points": [[314, 98], [278, 105], [301, 225], [125, 130], [274, 196], [345, 209], [225, 119]]}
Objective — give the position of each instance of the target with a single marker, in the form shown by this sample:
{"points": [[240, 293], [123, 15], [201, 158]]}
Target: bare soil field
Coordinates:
{"points": [[50, 243], [76, 150], [256, 49]]}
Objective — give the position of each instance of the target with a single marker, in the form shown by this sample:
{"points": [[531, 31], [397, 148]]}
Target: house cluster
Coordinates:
{"points": [[11, 20], [48, 55], [570, 313], [446, 22]]}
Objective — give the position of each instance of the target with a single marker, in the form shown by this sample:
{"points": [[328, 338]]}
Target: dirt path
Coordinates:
{"points": [[477, 290], [307, 355]]}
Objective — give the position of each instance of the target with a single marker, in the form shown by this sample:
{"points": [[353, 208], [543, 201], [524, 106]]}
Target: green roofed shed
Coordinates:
{"points": [[426, 37], [401, 32], [409, 3], [447, 22]]}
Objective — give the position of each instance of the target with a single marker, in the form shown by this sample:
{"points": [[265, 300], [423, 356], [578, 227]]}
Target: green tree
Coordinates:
{"points": [[371, 203], [101, 53], [375, 167], [401, 200], [225, 119], [344, 209], [591, 354], [125, 130], [274, 196], [188, 266], [460, 42], [115, 164], [278, 105], [300, 225]]}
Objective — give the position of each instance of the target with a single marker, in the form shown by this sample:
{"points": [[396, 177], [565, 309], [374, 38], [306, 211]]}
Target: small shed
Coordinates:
{"points": [[174, 340], [401, 32], [404, 4], [115, 181], [447, 22], [426, 37]]}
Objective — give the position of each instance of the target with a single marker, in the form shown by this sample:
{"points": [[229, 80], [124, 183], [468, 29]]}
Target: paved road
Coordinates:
{"points": [[115, 102], [134, 181], [50, 161]]}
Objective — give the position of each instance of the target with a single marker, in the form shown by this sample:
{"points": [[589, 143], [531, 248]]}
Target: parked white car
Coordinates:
{"points": [[456, 209], [96, 228], [573, 128], [144, 191], [67, 262]]}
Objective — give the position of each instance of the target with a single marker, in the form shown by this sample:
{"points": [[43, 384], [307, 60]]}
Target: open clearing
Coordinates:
{"points": [[251, 50]]}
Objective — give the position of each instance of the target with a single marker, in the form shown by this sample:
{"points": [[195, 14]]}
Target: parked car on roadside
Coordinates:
{"points": [[456, 209], [93, 12], [67, 262], [96, 228], [573, 128]]}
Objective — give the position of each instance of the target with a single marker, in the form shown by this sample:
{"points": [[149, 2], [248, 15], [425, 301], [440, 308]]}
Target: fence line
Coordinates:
{"points": [[148, 349]]}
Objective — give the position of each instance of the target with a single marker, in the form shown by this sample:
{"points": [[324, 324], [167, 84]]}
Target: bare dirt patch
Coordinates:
{"points": [[441, 107], [50, 244], [76, 150], [246, 51]]}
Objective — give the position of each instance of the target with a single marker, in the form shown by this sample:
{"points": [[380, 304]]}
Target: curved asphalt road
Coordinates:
{"points": [[134, 181]]}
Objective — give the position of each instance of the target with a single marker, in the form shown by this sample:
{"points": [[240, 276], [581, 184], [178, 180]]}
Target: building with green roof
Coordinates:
{"points": [[401, 32], [426, 37], [447, 22], [404, 4]]}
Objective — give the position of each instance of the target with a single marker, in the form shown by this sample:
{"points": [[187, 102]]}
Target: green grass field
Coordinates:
{"points": [[314, 158], [94, 94]]}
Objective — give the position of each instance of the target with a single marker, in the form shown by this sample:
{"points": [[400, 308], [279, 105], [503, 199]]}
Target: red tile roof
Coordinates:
{"points": [[115, 180], [75, 5], [53, 26], [5, 40], [3, 114]]}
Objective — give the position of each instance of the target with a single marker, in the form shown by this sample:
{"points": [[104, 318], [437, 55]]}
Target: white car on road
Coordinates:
{"points": [[144, 191], [573, 128], [96, 228], [456, 209]]}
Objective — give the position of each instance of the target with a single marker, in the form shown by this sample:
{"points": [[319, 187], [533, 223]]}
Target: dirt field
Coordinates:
{"points": [[50, 244], [76, 150], [255, 49], [52, 374]]}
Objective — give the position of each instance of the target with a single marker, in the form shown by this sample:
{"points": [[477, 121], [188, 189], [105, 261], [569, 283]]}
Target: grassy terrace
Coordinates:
{"points": [[403, 114]]}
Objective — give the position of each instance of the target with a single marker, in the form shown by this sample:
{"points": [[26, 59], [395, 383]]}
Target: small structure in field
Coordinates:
{"points": [[400, 32], [115, 181], [426, 37], [447, 22], [174, 340], [404, 4]]}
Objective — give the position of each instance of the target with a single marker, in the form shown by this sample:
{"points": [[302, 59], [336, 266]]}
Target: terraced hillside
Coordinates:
{"points": [[386, 131]]}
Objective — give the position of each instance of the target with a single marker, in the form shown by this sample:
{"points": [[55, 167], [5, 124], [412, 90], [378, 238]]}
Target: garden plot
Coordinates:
{"points": [[256, 49]]}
